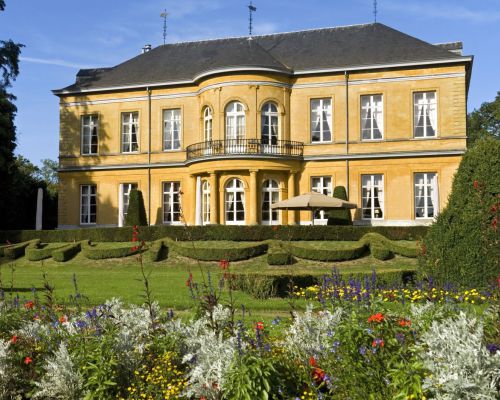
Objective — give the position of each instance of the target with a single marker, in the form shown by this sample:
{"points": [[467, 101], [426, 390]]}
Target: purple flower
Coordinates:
{"points": [[493, 348], [362, 350]]}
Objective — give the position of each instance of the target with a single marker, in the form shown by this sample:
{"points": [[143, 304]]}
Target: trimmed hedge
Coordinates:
{"points": [[100, 253], [341, 216], [18, 250], [3, 247], [403, 249], [309, 252], [67, 252], [207, 251], [136, 213], [41, 252], [158, 250], [255, 233], [278, 255], [380, 252]]}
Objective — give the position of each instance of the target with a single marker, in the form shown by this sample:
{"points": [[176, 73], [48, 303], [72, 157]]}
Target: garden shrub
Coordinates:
{"points": [[255, 233], [328, 251], [3, 247], [97, 252], [341, 216], [380, 251], [278, 255], [406, 249], [158, 250], [41, 252], [67, 252], [463, 247], [136, 212], [216, 251], [259, 286], [18, 250]]}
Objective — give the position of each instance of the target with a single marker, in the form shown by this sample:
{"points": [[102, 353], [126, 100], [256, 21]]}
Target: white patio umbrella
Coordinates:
{"points": [[312, 201]]}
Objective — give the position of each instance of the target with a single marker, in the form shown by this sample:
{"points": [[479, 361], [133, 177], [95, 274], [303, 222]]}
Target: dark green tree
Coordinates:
{"points": [[485, 121], [136, 213], [341, 216], [462, 246]]}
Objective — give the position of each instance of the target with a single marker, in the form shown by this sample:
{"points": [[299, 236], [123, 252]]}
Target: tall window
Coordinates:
{"points": [[321, 120], [269, 123], [205, 202], [426, 195], [125, 189], [270, 195], [372, 117], [88, 204], [171, 202], [372, 190], [172, 129], [207, 124], [321, 184], [424, 114], [235, 121], [130, 132], [90, 136], [235, 202]]}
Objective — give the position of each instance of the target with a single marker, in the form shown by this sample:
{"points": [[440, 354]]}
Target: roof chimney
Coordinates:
{"points": [[146, 48]]}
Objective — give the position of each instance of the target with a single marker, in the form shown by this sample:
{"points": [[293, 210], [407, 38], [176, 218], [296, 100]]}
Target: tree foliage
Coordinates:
{"points": [[463, 246], [136, 213], [485, 121], [342, 216]]}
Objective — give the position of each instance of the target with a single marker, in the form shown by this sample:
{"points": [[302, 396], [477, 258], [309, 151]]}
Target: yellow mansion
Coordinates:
{"points": [[215, 131]]}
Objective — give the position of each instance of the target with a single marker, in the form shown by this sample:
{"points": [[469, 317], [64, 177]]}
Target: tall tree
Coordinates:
{"points": [[485, 121], [9, 69]]}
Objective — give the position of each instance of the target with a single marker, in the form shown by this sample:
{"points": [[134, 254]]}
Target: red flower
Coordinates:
{"points": [[476, 184], [318, 375], [494, 223], [29, 305], [63, 319], [224, 264], [13, 340], [189, 282], [378, 317], [259, 326], [28, 360], [493, 208], [378, 342], [404, 322], [312, 361]]}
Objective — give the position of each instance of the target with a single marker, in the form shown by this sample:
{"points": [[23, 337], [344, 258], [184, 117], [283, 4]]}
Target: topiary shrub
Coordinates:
{"points": [[18, 250], [136, 213], [41, 252], [100, 253], [462, 247], [158, 250], [380, 252], [216, 251], [328, 251], [343, 215], [67, 252]]}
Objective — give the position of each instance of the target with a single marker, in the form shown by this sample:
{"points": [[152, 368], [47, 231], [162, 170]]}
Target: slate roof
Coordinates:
{"points": [[291, 53]]}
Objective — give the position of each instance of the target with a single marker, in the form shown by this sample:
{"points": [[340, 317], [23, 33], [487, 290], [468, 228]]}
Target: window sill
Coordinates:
{"points": [[316, 143], [90, 155], [130, 152], [425, 138], [172, 150]]}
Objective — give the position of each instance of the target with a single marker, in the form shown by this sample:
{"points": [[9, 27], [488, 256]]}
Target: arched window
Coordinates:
{"points": [[235, 121], [207, 124], [270, 195], [269, 124], [205, 202], [235, 202]]}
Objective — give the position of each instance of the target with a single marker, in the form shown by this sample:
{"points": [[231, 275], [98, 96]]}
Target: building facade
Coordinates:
{"points": [[214, 132]]}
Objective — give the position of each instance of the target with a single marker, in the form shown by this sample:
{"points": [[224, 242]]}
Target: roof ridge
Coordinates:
{"points": [[269, 34]]}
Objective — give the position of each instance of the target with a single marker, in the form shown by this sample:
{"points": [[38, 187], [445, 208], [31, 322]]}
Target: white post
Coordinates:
{"points": [[198, 216], [39, 210]]}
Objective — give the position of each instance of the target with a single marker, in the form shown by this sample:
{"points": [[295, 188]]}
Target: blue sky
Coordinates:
{"points": [[62, 36]]}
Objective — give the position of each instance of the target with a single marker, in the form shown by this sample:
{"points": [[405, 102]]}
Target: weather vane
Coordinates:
{"points": [[251, 10], [375, 10], [164, 15]]}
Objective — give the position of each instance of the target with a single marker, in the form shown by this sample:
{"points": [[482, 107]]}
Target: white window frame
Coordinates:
{"points": [[232, 187], [124, 199], [86, 199], [171, 117], [270, 120], [371, 186], [89, 128], [430, 190], [430, 110], [235, 121], [321, 108], [375, 109], [207, 124], [271, 190], [127, 134], [205, 202], [324, 186], [171, 192]]}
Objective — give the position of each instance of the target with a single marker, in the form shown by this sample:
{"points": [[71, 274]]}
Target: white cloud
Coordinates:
{"points": [[443, 10], [53, 61], [265, 28]]}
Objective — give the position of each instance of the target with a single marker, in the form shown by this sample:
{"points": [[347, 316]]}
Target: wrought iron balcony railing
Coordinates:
{"points": [[228, 147]]}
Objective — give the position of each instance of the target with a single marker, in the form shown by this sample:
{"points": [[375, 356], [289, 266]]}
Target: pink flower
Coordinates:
{"points": [[28, 360], [260, 326]]}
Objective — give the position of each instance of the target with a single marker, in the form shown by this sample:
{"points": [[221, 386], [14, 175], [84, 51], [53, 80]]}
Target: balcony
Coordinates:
{"points": [[245, 147]]}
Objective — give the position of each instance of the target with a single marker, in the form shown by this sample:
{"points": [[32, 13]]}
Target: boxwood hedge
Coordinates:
{"points": [[67, 252], [255, 233], [41, 252], [97, 252], [328, 251], [18, 250], [216, 251], [158, 250]]}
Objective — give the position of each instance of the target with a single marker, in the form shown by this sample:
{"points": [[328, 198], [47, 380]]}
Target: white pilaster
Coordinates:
{"points": [[198, 216]]}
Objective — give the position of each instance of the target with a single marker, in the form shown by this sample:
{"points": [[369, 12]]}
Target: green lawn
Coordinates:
{"points": [[102, 279]]}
